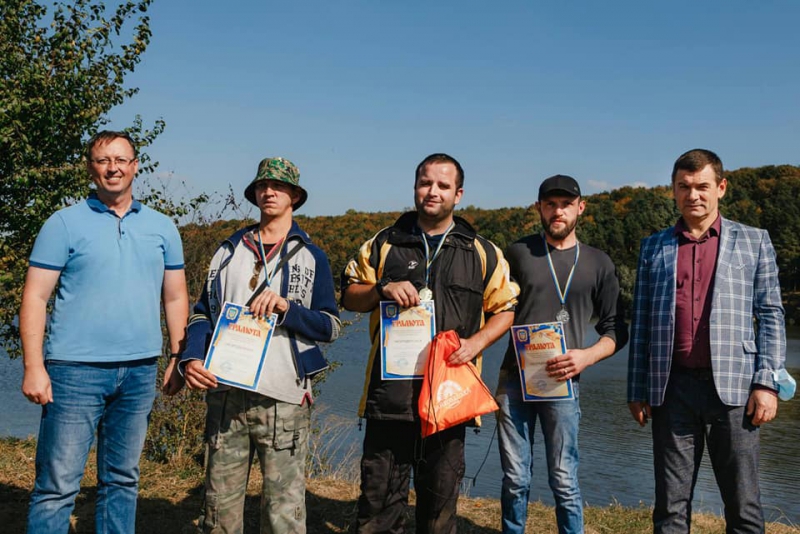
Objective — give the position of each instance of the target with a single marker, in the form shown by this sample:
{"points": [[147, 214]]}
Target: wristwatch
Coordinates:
{"points": [[380, 285]]}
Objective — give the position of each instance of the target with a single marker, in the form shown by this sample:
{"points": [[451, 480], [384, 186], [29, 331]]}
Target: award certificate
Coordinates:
{"points": [[406, 335], [238, 347], [534, 344]]}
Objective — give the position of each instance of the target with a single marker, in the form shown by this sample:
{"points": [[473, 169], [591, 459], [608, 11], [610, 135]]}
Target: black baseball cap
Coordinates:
{"points": [[560, 183]]}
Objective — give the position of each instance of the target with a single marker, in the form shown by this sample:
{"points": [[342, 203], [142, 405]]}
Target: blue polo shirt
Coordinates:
{"points": [[108, 300]]}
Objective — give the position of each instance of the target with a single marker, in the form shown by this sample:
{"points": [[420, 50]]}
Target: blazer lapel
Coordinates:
{"points": [[727, 240], [669, 247]]}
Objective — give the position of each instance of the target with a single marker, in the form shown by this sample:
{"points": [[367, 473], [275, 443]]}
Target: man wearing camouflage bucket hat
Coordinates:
{"points": [[281, 170], [273, 267]]}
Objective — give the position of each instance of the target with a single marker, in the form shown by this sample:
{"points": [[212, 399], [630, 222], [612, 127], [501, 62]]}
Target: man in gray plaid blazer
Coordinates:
{"points": [[699, 365]]}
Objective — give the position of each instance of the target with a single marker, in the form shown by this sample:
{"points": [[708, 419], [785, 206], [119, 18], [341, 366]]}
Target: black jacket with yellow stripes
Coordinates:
{"points": [[469, 280]]}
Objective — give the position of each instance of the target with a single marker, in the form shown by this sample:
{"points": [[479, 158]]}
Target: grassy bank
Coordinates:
{"points": [[170, 497]]}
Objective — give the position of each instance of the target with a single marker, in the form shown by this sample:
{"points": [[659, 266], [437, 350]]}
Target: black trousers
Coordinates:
{"points": [[392, 451]]}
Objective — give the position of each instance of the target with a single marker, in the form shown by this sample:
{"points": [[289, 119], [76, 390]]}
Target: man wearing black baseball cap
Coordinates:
{"points": [[561, 280], [560, 183]]}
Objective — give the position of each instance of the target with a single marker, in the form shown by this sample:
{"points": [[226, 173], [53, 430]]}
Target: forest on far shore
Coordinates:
{"points": [[766, 197]]}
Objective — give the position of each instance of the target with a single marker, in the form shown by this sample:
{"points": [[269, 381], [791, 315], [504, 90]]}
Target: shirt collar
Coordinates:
{"points": [[97, 205], [682, 230]]}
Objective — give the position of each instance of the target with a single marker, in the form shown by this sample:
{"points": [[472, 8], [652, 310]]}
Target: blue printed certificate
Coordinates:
{"points": [[239, 346], [534, 344], [406, 335]]}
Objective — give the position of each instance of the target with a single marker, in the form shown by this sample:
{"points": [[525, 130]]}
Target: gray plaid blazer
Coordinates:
{"points": [[744, 351]]}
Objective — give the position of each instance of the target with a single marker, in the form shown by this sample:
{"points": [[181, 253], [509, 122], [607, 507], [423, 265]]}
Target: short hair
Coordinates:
{"points": [[440, 158], [106, 136], [696, 160]]}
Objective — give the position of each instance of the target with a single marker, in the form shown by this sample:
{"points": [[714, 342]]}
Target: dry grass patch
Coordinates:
{"points": [[170, 498]]}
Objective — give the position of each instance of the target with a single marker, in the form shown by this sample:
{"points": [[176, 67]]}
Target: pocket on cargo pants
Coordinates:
{"points": [[291, 427]]}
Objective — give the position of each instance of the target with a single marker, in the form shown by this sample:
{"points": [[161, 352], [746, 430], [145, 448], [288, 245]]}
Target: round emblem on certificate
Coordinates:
{"points": [[425, 294], [562, 315]]}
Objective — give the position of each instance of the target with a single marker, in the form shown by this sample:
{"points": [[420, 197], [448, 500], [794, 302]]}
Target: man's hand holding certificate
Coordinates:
{"points": [[534, 345], [406, 334], [239, 346]]}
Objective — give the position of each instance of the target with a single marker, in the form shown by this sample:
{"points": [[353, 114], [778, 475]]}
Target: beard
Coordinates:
{"points": [[439, 213], [561, 233]]}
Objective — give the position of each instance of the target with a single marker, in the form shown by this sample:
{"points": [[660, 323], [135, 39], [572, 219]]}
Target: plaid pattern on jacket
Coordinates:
{"points": [[747, 329]]}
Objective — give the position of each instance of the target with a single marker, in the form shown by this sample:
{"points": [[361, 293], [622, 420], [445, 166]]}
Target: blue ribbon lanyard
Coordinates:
{"points": [[268, 276], [429, 260], [562, 294]]}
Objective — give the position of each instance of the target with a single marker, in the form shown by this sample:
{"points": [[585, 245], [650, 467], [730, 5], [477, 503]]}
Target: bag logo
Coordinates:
{"points": [[449, 394]]}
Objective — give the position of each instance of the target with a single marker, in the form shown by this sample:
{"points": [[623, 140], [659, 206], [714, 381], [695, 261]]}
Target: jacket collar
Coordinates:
{"points": [[407, 223], [295, 232]]}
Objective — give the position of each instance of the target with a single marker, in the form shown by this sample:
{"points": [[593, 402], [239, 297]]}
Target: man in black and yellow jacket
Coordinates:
{"points": [[427, 254]]}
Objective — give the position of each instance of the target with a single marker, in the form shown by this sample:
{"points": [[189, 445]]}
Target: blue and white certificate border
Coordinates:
{"points": [[230, 314], [390, 310], [520, 335]]}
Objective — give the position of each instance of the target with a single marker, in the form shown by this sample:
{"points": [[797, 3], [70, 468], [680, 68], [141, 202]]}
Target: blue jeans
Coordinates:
{"points": [[516, 424], [693, 415], [114, 399]]}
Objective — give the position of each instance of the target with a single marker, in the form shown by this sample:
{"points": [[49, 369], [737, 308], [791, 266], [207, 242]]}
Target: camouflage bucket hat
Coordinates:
{"points": [[280, 169]]}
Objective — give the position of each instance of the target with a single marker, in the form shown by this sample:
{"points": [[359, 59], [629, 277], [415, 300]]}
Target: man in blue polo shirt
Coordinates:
{"points": [[114, 261]]}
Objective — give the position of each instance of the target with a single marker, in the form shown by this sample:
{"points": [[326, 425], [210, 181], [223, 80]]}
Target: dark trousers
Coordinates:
{"points": [[392, 451], [691, 416]]}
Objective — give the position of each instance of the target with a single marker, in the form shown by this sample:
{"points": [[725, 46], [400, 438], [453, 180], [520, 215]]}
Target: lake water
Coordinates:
{"points": [[616, 455]]}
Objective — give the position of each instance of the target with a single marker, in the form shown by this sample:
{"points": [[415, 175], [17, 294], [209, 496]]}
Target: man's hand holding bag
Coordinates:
{"points": [[451, 394]]}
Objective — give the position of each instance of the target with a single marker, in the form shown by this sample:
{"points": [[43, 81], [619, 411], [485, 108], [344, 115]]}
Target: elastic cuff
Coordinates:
{"points": [[282, 316]]}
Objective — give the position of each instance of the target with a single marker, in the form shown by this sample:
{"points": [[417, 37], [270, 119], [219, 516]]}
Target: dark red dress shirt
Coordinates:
{"points": [[694, 277]]}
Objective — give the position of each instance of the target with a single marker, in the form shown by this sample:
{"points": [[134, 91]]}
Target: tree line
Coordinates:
{"points": [[615, 222]]}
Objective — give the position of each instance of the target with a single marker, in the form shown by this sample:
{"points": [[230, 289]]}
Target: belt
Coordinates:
{"points": [[702, 373]]}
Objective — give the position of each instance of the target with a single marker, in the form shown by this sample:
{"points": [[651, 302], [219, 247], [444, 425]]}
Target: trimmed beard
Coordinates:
{"points": [[561, 234]]}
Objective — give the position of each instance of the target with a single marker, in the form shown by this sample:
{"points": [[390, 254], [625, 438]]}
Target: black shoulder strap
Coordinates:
{"points": [[488, 264], [286, 257]]}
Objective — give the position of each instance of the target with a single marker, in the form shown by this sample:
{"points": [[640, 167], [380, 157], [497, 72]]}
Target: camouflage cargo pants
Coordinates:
{"points": [[240, 424]]}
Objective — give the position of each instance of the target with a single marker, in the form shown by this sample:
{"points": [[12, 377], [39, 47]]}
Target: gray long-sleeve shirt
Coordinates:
{"points": [[594, 292]]}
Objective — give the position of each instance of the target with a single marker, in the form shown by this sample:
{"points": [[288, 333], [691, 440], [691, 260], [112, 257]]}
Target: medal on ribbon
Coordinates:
{"points": [[426, 293], [562, 315]]}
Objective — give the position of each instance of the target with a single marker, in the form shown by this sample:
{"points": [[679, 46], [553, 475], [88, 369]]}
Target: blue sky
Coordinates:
{"points": [[356, 93]]}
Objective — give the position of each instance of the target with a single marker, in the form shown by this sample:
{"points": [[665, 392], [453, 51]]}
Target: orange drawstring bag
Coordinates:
{"points": [[451, 394]]}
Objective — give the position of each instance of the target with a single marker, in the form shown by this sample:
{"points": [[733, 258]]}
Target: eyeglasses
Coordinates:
{"points": [[256, 271], [119, 162]]}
